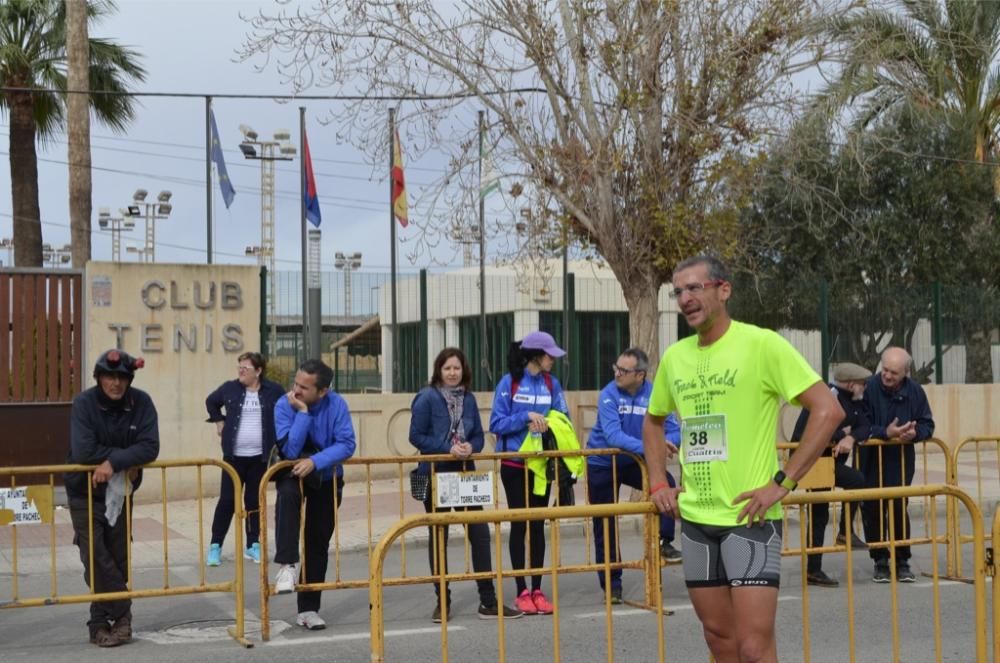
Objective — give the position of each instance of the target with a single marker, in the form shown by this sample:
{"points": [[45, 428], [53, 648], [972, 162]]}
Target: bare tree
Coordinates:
{"points": [[78, 125], [639, 134]]}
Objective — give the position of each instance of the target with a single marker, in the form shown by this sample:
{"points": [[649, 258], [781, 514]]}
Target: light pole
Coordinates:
{"points": [[116, 224], [267, 152], [56, 257], [468, 236], [152, 211], [8, 243], [348, 264], [314, 294]]}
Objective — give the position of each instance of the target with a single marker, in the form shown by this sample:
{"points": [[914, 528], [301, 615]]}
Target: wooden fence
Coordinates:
{"points": [[41, 352]]}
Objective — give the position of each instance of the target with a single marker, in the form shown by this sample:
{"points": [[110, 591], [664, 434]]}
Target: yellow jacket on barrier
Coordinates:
{"points": [[565, 436]]}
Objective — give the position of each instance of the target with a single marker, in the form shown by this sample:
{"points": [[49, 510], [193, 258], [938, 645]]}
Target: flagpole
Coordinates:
{"points": [[484, 360], [208, 177], [307, 351], [394, 378]]}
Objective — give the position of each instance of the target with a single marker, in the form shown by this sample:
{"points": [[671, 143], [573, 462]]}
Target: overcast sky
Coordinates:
{"points": [[189, 46]]}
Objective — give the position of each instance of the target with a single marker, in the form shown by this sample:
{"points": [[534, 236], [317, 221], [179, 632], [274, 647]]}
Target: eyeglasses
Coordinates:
{"points": [[618, 370], [245, 369], [694, 288]]}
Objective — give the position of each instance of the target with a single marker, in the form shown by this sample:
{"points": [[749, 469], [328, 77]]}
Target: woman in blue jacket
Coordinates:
{"points": [[444, 419], [243, 413], [522, 399]]}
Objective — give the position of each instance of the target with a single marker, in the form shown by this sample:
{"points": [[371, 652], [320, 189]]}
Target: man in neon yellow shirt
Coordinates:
{"points": [[727, 384]]}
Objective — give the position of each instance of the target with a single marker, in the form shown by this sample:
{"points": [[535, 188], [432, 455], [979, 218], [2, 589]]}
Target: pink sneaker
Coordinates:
{"points": [[542, 604], [525, 604]]}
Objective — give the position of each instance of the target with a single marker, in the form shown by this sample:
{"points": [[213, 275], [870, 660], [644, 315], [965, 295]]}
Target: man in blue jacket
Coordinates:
{"points": [[620, 411], [899, 410], [313, 426]]}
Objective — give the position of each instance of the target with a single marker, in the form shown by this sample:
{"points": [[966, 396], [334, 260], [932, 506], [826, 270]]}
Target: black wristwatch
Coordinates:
{"points": [[785, 481]]}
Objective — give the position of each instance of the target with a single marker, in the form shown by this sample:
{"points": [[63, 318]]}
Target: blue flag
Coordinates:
{"points": [[228, 192], [309, 194]]}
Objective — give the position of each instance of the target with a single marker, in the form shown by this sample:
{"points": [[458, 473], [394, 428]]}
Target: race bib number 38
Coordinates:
{"points": [[704, 438]]}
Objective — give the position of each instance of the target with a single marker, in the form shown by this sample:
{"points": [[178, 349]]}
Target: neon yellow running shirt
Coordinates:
{"points": [[728, 396]]}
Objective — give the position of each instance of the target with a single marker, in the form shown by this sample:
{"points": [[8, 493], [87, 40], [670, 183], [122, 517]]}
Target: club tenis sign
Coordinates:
{"points": [[174, 322]]}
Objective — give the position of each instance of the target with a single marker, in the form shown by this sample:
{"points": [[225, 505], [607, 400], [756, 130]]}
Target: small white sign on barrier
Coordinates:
{"points": [[457, 489], [26, 505]]}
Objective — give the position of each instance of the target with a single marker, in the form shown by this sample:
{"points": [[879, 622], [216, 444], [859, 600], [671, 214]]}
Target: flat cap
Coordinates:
{"points": [[848, 372]]}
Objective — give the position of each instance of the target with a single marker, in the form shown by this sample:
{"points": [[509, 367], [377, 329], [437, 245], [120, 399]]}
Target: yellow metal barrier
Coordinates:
{"points": [[992, 570], [983, 459], [798, 500], [932, 456], [380, 521], [951, 494], [380, 552], [8, 477]]}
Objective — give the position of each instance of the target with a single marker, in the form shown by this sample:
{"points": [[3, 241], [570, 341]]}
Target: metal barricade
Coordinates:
{"points": [[379, 521], [975, 648], [379, 553], [992, 570], [8, 478], [933, 537], [933, 465], [987, 489]]}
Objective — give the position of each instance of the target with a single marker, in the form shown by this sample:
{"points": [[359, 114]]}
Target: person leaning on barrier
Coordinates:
{"points": [[848, 386], [621, 407], [522, 399], [726, 384], [313, 427], [243, 413], [899, 410], [444, 419], [113, 426]]}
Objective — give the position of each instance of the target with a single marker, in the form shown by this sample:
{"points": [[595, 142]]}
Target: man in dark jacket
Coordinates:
{"points": [[113, 426], [848, 386], [899, 411]]}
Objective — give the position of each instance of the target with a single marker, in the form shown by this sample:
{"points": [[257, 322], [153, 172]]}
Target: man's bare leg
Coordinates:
{"points": [[714, 607], [754, 610], [738, 622]]}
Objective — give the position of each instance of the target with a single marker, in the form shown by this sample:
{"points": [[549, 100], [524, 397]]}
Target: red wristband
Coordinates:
{"points": [[658, 487]]}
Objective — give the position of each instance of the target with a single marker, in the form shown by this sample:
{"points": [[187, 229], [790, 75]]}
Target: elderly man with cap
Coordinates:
{"points": [[113, 426], [849, 387]]}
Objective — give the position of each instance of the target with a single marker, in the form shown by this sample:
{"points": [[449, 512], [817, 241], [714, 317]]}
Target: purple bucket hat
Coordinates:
{"points": [[539, 340]]}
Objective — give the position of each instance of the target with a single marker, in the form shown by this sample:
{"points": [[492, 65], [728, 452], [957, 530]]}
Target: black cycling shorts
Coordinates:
{"points": [[739, 556]]}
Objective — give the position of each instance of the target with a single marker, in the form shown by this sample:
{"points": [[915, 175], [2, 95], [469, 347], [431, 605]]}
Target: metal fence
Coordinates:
{"points": [[598, 325], [952, 332]]}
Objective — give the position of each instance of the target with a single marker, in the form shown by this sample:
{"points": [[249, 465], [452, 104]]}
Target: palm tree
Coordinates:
{"points": [[938, 58], [33, 55]]}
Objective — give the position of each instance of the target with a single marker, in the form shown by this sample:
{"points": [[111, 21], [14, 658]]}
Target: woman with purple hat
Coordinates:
{"points": [[522, 399]]}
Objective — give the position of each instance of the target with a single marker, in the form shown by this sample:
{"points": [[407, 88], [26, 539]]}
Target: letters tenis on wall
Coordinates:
{"points": [[159, 296]]}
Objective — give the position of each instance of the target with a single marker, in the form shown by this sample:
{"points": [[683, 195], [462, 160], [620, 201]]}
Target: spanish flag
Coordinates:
{"points": [[399, 206]]}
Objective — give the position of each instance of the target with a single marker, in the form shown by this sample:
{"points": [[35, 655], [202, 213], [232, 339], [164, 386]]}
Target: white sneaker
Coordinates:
{"points": [[311, 620], [284, 582]]}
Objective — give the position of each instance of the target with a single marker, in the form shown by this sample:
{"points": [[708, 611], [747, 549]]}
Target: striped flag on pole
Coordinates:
{"points": [[489, 179], [399, 206], [309, 187]]}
